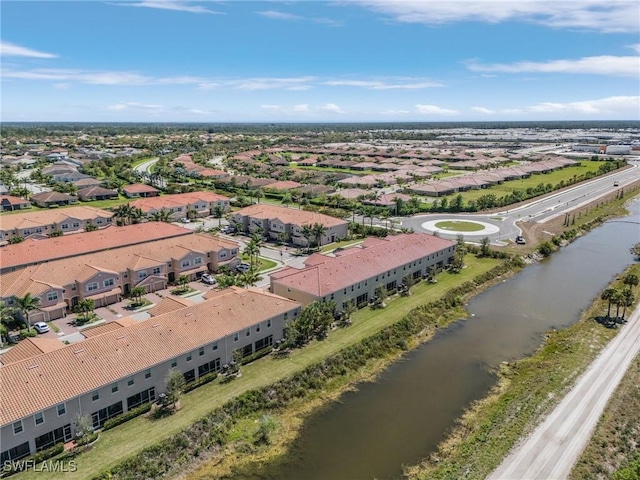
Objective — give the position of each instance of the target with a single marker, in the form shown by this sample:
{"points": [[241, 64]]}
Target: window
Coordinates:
{"points": [[95, 396], [197, 261], [189, 357], [15, 453], [223, 254], [264, 343], [39, 418], [114, 388], [92, 286], [76, 224], [247, 332], [215, 346], [62, 409], [65, 226], [145, 396], [73, 287], [99, 221], [51, 296], [258, 328], [235, 337], [59, 435], [110, 282], [105, 414], [269, 323], [147, 374], [142, 275], [212, 366], [174, 364], [156, 270], [130, 381], [38, 230], [17, 427], [185, 263], [201, 351]]}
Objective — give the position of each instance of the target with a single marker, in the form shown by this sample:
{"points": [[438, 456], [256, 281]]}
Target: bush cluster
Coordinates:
{"points": [[37, 458], [203, 380], [125, 417]]}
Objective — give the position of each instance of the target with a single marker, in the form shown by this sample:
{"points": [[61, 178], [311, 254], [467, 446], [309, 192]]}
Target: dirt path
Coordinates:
{"points": [[556, 444]]}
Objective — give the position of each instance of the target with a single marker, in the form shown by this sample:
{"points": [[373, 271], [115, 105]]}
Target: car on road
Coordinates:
{"points": [[243, 267], [41, 327], [208, 279], [615, 184]]}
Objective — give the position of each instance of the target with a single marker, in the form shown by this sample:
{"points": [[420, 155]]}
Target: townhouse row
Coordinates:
{"points": [[106, 275], [108, 374], [354, 274], [288, 224]]}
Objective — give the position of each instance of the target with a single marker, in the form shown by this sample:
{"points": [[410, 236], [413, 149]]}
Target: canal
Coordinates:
{"points": [[401, 418]]}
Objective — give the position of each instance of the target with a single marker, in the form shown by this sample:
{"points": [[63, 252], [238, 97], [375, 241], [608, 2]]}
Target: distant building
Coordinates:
{"points": [[53, 199], [11, 203], [618, 149]]}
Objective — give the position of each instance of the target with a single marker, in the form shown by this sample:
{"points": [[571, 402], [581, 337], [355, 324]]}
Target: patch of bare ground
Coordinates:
{"points": [[616, 440]]}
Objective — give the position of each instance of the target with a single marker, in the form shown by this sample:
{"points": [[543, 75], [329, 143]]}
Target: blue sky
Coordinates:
{"points": [[309, 61]]}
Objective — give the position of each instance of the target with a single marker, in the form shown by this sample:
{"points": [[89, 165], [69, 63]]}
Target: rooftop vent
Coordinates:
{"points": [[33, 366], [79, 350], [155, 325]]}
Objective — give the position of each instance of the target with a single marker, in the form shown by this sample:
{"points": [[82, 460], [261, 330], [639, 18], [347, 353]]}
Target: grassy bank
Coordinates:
{"points": [[614, 444], [131, 438], [526, 390]]}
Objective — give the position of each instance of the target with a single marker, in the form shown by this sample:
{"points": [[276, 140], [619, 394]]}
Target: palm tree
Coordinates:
{"points": [[6, 318], [162, 215], [318, 231], [618, 300], [385, 215], [630, 280], [218, 212], [608, 295], [252, 250], [27, 304], [287, 199], [123, 212], [137, 293], [307, 232], [85, 308], [250, 277], [627, 299]]}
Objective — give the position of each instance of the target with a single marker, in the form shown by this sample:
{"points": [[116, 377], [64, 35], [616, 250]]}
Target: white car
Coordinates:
{"points": [[208, 279], [41, 327], [243, 267]]}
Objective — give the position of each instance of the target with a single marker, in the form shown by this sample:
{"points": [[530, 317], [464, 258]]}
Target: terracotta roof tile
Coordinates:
{"points": [[289, 215], [73, 370]]}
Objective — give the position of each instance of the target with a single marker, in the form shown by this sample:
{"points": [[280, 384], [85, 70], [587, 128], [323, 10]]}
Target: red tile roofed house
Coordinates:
{"points": [[66, 220], [53, 199], [140, 190], [33, 252], [356, 272], [278, 222], [388, 200], [211, 173], [96, 193], [9, 203], [180, 204], [104, 276], [111, 373], [283, 185]]}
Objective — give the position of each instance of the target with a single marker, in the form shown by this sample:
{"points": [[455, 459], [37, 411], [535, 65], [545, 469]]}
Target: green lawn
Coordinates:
{"points": [[131, 437], [460, 226]]}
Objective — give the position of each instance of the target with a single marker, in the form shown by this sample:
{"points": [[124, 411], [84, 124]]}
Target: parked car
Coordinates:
{"points": [[228, 229], [41, 327], [185, 220], [243, 267], [208, 279], [520, 240]]}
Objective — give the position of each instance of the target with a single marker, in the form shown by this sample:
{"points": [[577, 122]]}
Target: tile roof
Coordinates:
{"points": [[169, 304], [40, 382], [283, 185], [30, 347], [52, 197], [324, 275], [95, 191], [107, 327], [33, 251], [49, 217], [67, 271], [157, 203], [139, 188], [289, 215], [11, 200]]}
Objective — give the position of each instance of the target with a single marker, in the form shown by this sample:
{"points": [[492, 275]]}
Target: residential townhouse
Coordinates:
{"points": [[42, 223], [180, 205], [34, 251], [281, 223], [110, 373], [355, 273], [106, 275]]}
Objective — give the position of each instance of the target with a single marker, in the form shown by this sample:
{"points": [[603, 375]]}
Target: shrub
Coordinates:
{"points": [[203, 380], [43, 455], [87, 439], [125, 417]]}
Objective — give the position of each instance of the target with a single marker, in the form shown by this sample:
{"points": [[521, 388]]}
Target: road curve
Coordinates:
{"points": [[550, 452]]}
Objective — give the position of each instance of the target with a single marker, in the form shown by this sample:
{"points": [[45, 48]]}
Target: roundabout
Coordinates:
{"points": [[460, 227]]}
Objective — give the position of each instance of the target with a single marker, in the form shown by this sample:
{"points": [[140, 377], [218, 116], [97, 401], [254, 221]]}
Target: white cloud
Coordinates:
{"points": [[12, 50], [296, 83], [331, 107], [396, 112], [483, 110], [610, 16], [175, 5], [303, 107], [434, 110], [379, 85], [600, 65], [270, 107], [134, 105], [619, 105], [279, 15], [635, 47]]}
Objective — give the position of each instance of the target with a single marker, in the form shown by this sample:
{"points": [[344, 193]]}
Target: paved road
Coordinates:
{"points": [[538, 210], [556, 444], [145, 167]]}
